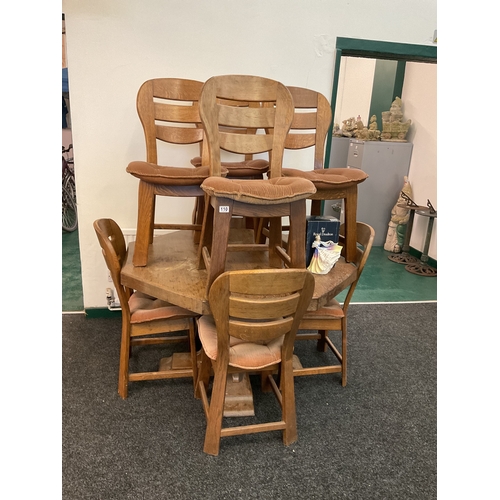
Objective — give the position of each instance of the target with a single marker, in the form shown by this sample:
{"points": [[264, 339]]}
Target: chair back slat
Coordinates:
{"points": [[312, 111], [260, 305], [270, 108], [158, 100]]}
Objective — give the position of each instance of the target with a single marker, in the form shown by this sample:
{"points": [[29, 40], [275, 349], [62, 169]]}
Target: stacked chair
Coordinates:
{"points": [[271, 198], [309, 128], [168, 110]]}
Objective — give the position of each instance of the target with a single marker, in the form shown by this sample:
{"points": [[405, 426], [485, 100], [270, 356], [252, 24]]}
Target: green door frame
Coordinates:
{"points": [[355, 47]]}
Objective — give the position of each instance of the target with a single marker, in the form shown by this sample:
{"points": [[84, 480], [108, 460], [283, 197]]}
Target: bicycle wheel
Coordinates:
{"points": [[69, 214], [69, 184]]}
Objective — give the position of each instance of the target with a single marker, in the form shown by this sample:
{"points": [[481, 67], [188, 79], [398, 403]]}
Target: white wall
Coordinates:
{"points": [[419, 99], [114, 45], [354, 94]]}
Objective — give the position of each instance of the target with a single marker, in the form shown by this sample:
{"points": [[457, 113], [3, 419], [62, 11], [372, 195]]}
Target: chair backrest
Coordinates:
{"points": [[168, 110], [364, 238], [222, 117], [114, 250], [312, 113], [260, 305]]}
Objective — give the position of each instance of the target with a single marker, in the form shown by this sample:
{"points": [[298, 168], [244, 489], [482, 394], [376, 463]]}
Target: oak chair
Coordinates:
{"points": [[168, 110], [255, 317], [333, 316], [248, 167], [309, 128], [143, 317], [272, 198]]}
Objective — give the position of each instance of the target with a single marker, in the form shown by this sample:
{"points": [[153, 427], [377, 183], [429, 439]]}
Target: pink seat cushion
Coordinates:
{"points": [[259, 192], [145, 308], [169, 176], [328, 178], [332, 310], [242, 354], [249, 168]]}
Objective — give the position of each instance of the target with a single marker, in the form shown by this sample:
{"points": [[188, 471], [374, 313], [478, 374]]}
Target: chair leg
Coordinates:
{"points": [[288, 403], [198, 214], [124, 361], [316, 207], [321, 345], [203, 374], [192, 350], [344, 351], [350, 207], [275, 237], [206, 231], [221, 227], [215, 412], [145, 218], [297, 236]]}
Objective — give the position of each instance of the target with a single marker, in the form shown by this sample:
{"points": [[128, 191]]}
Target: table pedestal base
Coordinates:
{"points": [[178, 361], [239, 396]]}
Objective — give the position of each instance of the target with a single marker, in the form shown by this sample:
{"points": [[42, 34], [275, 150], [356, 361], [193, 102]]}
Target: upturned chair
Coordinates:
{"points": [[168, 110], [333, 316], [309, 128], [248, 167], [143, 317], [255, 317], [272, 198]]}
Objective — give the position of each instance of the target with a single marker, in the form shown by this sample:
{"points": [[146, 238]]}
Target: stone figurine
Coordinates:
{"points": [[393, 127], [399, 218]]}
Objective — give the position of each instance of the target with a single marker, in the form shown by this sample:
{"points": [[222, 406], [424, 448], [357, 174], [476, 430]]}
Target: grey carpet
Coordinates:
{"points": [[375, 438]]}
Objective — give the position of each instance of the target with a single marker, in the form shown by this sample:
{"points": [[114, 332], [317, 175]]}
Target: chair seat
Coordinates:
{"points": [[259, 192], [328, 178], [245, 355], [249, 168], [331, 310], [144, 308], [169, 176]]}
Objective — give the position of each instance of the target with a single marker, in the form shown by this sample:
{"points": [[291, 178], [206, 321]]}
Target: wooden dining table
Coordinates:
{"points": [[172, 273]]}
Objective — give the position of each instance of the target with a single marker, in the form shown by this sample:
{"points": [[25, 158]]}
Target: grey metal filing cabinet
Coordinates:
{"points": [[386, 163]]}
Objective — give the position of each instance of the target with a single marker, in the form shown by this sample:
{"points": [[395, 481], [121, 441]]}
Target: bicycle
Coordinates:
{"points": [[69, 210]]}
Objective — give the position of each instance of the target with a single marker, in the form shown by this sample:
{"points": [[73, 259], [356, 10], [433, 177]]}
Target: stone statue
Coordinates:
{"points": [[368, 134], [348, 127], [399, 218], [393, 128]]}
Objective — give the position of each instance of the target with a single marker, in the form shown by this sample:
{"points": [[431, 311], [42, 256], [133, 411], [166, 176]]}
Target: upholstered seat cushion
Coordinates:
{"points": [[332, 310], [242, 354], [146, 308], [249, 168], [261, 191], [328, 178], [169, 176]]}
